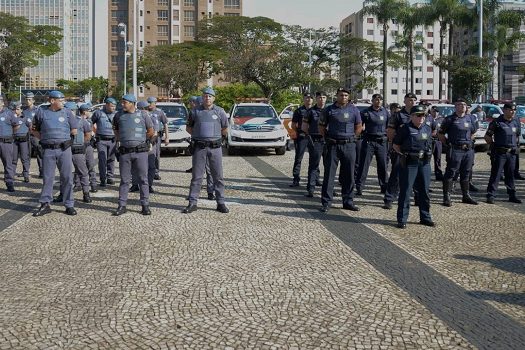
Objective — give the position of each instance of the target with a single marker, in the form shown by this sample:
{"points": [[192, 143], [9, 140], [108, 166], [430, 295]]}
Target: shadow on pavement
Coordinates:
{"points": [[512, 264]]}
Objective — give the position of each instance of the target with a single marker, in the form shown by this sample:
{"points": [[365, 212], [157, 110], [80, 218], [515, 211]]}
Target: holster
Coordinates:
{"points": [[78, 149]]}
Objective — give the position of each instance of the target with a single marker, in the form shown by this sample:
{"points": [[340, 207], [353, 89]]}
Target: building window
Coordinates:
{"points": [[230, 14], [419, 33], [176, 30], [118, 15], [393, 92], [418, 68], [430, 80], [189, 31], [395, 33], [175, 15], [419, 57], [370, 20], [232, 4], [430, 46], [115, 2], [162, 15], [430, 69], [114, 30], [189, 2], [162, 42], [418, 80], [430, 34], [189, 16], [370, 91], [430, 92], [162, 2], [370, 32], [114, 75], [418, 92], [394, 80], [114, 60], [162, 30]]}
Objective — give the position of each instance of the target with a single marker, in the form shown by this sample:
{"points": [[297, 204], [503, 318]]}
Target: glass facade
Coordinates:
{"points": [[73, 60]]}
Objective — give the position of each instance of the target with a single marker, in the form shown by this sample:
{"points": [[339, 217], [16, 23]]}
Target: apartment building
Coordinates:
{"points": [[426, 75], [78, 58], [159, 22]]}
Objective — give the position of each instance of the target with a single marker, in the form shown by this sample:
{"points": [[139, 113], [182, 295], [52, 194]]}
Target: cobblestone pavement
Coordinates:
{"points": [[273, 273]]}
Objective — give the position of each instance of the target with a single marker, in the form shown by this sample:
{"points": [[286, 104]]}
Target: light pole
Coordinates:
{"points": [[124, 35], [3, 45], [135, 41]]}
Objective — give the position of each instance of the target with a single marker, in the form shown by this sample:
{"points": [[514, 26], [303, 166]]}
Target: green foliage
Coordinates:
{"points": [[284, 97], [227, 95], [178, 67], [26, 44], [97, 87], [468, 76]]}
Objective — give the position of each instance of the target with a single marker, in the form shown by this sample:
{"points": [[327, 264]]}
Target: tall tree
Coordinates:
{"points": [[178, 68], [385, 11], [255, 50], [97, 87], [447, 13], [25, 44]]}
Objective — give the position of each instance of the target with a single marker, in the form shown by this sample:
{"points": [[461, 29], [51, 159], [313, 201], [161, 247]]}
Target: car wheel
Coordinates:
{"points": [[288, 145], [280, 150], [231, 150]]}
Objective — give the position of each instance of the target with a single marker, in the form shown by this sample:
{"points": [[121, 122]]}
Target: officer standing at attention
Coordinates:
{"points": [[375, 119], [207, 124], [413, 144], [310, 127], [460, 129], [437, 149], [78, 150], [90, 156], [8, 126], [160, 123], [339, 124], [106, 146], [29, 112], [503, 138], [21, 145], [301, 141], [143, 106], [55, 126], [133, 131], [394, 123]]}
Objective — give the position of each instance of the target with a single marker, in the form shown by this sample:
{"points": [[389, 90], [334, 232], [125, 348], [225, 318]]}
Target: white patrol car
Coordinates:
{"points": [[255, 125], [177, 115]]}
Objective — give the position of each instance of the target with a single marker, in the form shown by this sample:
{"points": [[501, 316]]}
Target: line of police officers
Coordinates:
{"points": [[408, 137]]}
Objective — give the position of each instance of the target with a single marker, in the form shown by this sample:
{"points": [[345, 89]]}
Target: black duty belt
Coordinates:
{"points": [[6, 140], [463, 147], [317, 138], [106, 138], [144, 147], [21, 138], [375, 138], [63, 145], [211, 144], [505, 150], [421, 155], [339, 141]]}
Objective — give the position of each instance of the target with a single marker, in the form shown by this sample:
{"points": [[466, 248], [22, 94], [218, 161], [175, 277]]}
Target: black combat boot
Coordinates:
{"points": [[447, 185], [466, 195]]}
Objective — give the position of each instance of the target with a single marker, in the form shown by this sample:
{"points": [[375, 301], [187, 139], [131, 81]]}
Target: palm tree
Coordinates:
{"points": [[447, 13], [385, 11]]}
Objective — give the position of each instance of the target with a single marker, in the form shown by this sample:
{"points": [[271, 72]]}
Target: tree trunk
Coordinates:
{"points": [[407, 77], [411, 55], [385, 67], [441, 40], [500, 77], [450, 53]]}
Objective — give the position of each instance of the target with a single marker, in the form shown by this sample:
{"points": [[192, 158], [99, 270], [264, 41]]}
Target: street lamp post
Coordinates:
{"points": [[480, 34], [135, 41], [124, 35]]}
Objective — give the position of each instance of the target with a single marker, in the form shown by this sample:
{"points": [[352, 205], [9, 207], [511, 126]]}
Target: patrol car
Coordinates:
{"points": [[286, 118], [177, 115], [255, 125], [492, 112]]}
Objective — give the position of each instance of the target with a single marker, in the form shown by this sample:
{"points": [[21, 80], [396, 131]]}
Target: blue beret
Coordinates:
{"points": [[30, 95], [152, 99], [14, 105], [85, 107], [208, 91], [129, 98], [111, 100], [55, 94], [142, 104], [71, 105]]}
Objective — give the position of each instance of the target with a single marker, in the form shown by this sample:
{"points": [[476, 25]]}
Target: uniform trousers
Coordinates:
{"points": [[459, 161], [35, 144], [502, 163], [392, 186], [415, 174], [64, 160], [106, 159], [369, 149], [81, 171], [315, 152], [201, 157], [6, 154], [21, 149], [335, 153], [437, 152], [301, 144], [135, 163]]}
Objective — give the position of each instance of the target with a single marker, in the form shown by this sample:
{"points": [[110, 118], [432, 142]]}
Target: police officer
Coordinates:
{"points": [[54, 126], [375, 119], [413, 144], [396, 120], [301, 141], [503, 138], [339, 124], [29, 112], [84, 111], [437, 149], [21, 144], [8, 126], [310, 126], [143, 106], [160, 123], [207, 124], [460, 129], [133, 131], [193, 102], [105, 140]]}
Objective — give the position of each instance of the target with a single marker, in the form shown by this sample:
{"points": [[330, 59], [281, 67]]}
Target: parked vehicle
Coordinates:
{"points": [[255, 125], [177, 115]]}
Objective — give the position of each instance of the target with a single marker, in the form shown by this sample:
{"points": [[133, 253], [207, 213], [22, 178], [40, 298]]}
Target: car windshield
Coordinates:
{"points": [[446, 110], [254, 112], [178, 112], [520, 112]]}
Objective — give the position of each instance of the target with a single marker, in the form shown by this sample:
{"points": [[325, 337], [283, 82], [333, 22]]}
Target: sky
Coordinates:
{"points": [[306, 13]]}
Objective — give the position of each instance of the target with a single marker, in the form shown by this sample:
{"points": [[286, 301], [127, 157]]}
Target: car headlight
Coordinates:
{"points": [[237, 127]]}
